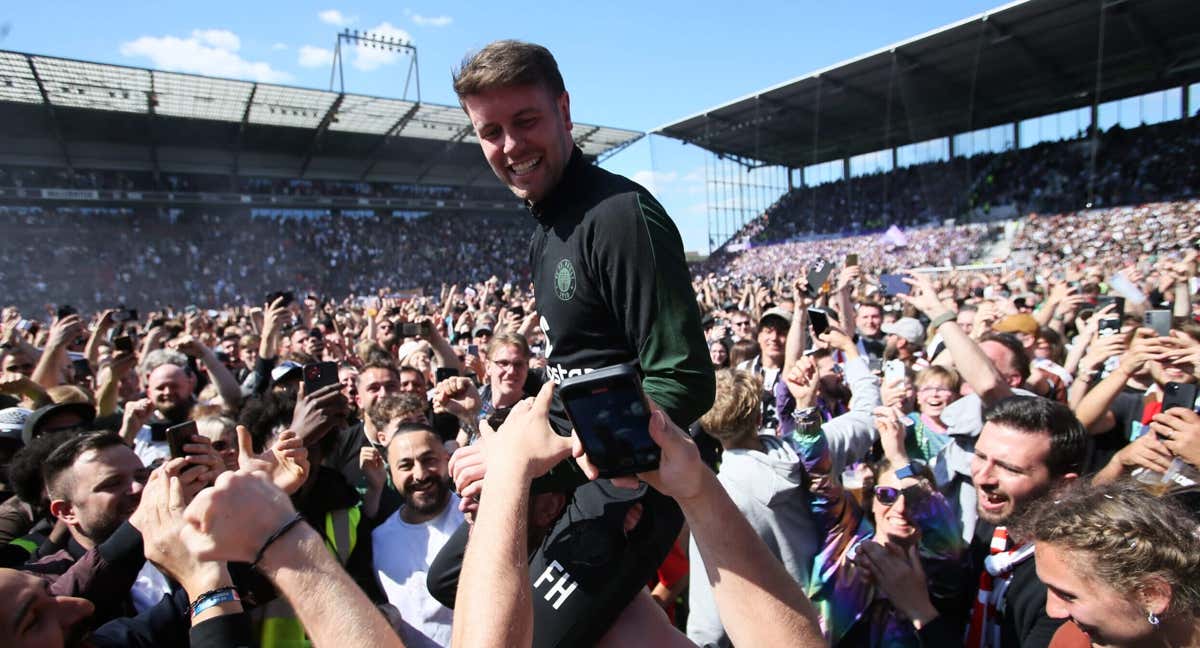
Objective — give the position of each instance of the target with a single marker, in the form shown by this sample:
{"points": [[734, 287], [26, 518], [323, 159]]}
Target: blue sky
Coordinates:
{"points": [[636, 65]]}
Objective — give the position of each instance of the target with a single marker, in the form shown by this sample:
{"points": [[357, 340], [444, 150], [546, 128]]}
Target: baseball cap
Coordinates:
{"points": [[481, 328], [283, 371], [12, 423], [781, 313], [1020, 323], [906, 327], [35, 423]]}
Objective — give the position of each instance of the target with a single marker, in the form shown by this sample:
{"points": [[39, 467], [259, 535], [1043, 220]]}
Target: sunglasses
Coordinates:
{"points": [[913, 495]]}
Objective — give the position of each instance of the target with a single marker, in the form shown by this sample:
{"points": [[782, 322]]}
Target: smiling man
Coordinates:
{"points": [[612, 287]]}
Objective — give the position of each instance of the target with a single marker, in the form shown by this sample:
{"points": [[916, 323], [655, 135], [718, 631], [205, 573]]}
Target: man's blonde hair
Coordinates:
{"points": [[737, 410]]}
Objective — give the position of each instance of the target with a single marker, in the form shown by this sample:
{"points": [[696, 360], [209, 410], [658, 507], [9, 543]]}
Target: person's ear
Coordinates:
{"points": [[1155, 595], [564, 107], [63, 510]]}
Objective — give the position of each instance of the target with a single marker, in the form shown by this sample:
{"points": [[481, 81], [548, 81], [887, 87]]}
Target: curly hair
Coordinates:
{"points": [[1121, 534], [737, 410]]}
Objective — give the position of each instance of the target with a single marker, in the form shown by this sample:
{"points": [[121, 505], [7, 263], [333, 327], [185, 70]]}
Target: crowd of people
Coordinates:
{"points": [[1144, 164], [26, 177], [834, 447]]}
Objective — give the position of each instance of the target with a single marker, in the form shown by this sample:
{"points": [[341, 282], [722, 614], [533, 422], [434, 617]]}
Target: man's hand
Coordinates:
{"points": [[371, 463], [17, 384], [924, 297], [233, 520], [458, 396], [837, 339], [319, 412], [680, 471], [848, 277], [275, 314], [189, 346], [159, 518], [468, 467], [137, 413], [526, 441], [1179, 431], [1100, 350], [1145, 451], [801, 381], [1145, 347], [285, 463], [64, 332]]}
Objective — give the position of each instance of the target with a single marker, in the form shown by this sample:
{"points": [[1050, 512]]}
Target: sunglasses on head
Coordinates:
{"points": [[887, 495]]}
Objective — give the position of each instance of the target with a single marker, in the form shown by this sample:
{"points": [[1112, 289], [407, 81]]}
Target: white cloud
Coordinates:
{"points": [[368, 58], [335, 17], [432, 21], [279, 47], [655, 181], [311, 57], [205, 51]]}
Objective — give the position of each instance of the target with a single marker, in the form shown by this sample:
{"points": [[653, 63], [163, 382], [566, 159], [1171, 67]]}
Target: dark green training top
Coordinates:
{"points": [[612, 286]]}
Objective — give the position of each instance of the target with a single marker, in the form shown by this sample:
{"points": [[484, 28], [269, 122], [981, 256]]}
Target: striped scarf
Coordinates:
{"points": [[984, 631]]}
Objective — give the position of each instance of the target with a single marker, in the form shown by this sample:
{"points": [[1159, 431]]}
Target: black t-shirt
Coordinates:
{"points": [[1126, 409], [586, 570]]}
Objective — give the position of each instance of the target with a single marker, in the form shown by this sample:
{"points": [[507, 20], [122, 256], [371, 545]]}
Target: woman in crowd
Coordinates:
{"points": [[1121, 564], [902, 513]]}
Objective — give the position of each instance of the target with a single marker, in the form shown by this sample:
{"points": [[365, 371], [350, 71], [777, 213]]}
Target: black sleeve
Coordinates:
{"points": [[1028, 606], [165, 624], [939, 633], [225, 631], [587, 569], [649, 289]]}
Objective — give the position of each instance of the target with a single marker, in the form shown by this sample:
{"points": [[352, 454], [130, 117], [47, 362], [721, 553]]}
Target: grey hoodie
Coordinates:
{"points": [[769, 489]]}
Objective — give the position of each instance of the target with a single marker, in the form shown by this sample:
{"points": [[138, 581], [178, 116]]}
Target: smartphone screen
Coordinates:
{"points": [[318, 375], [178, 436], [819, 320], [613, 423], [893, 284], [123, 344], [851, 260]]}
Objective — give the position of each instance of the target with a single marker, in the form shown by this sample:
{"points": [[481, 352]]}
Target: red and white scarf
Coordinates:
{"points": [[984, 631]]}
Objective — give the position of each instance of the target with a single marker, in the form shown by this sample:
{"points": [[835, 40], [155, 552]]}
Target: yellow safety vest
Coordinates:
{"points": [[278, 625]]}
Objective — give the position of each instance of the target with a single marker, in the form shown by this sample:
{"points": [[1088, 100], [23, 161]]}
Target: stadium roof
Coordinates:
{"points": [[1024, 59], [82, 103]]}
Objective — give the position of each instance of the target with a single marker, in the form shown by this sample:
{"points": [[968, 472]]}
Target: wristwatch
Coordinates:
{"points": [[910, 469]]}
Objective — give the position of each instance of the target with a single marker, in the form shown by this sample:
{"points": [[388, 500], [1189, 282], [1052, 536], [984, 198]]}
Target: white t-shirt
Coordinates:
{"points": [[149, 450], [401, 567]]}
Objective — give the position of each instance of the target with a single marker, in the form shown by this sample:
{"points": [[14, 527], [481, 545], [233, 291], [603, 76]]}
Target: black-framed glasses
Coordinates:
{"points": [[913, 495]]}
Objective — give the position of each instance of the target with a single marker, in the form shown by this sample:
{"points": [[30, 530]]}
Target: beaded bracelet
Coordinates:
{"points": [[296, 519], [214, 597]]}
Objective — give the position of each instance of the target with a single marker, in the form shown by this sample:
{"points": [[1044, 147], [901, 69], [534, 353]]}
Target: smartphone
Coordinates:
{"points": [[819, 320], [1110, 326], [126, 315], [178, 436], [893, 284], [1119, 313], [894, 370], [288, 297], [609, 412], [414, 329], [473, 349], [442, 373], [318, 375], [851, 260], [1179, 395], [82, 369], [123, 344], [66, 311], [393, 311], [24, 325], [1160, 321], [817, 275]]}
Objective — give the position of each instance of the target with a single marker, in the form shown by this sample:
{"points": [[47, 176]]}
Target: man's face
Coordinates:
{"points": [[104, 489], [965, 319], [18, 362], [375, 383], [1003, 360], [772, 336], [386, 333], [412, 382], [897, 347], [742, 327], [348, 378], [868, 320], [249, 356], [310, 344], [507, 369], [1108, 618], [525, 134], [1009, 471], [419, 471], [33, 618], [230, 347], [170, 387]]}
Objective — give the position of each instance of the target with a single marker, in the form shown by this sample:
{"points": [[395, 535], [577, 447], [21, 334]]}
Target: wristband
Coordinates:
{"points": [[214, 597], [941, 319], [909, 469], [296, 519], [805, 415]]}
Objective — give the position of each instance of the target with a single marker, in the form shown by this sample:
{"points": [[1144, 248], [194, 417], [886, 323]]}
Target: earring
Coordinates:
{"points": [[1152, 618]]}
